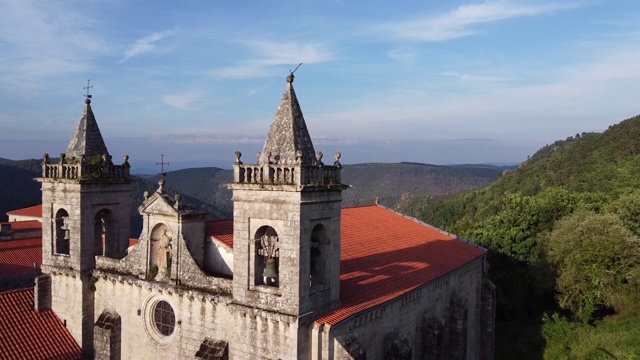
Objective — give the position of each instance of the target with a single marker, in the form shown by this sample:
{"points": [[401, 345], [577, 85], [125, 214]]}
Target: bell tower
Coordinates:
{"points": [[287, 221], [86, 202]]}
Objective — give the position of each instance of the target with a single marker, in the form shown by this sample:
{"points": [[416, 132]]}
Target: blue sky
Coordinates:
{"points": [[434, 81]]}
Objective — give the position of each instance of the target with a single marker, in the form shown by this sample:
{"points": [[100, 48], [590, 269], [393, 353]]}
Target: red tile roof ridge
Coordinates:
{"points": [[220, 231], [381, 247], [28, 211], [434, 228]]}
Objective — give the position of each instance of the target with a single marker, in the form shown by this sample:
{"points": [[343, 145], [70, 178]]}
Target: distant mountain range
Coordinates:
{"points": [[206, 187]]}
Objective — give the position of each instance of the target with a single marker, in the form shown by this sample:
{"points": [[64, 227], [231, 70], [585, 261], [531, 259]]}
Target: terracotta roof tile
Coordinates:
{"points": [[27, 334], [18, 256], [24, 225], [35, 211], [221, 230], [385, 254]]}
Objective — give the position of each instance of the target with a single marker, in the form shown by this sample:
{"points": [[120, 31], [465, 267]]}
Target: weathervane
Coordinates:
{"points": [[88, 96], [294, 70], [291, 76], [162, 164]]}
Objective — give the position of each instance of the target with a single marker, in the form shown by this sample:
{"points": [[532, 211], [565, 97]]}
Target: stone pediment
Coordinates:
{"points": [[158, 204]]}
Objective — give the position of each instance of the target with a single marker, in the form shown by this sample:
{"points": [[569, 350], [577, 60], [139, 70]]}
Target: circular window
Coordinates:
{"points": [[164, 318]]}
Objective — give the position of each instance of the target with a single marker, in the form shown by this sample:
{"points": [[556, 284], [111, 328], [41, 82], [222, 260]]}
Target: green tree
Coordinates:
{"points": [[597, 260]]}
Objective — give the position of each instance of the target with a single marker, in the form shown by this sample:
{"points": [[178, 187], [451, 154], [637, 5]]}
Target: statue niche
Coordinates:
{"points": [[160, 254]]}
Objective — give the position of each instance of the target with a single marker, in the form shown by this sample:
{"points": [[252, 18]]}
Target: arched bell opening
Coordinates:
{"points": [[62, 232], [267, 259], [318, 256], [105, 234]]}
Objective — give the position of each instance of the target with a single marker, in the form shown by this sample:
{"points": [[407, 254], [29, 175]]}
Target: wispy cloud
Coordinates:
{"points": [[268, 54], [475, 78], [186, 101], [196, 139], [403, 56], [148, 44], [42, 39], [460, 22]]}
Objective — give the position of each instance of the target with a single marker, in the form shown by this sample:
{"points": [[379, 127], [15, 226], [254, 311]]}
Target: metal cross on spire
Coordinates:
{"points": [[162, 164], [88, 87]]}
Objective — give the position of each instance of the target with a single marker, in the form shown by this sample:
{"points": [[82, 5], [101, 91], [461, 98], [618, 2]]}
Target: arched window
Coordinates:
{"points": [[267, 257], [62, 232], [105, 234], [318, 255]]}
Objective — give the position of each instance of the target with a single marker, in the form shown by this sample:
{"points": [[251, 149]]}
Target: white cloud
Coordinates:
{"points": [[475, 78], [182, 101], [147, 44], [403, 56], [460, 21], [268, 54], [41, 40]]}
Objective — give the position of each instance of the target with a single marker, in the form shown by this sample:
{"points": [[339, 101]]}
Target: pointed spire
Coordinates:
{"points": [[86, 139], [288, 137]]}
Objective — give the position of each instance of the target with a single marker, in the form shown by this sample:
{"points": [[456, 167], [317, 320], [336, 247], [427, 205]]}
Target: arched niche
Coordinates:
{"points": [[62, 232], [318, 255], [105, 230], [161, 245], [267, 259]]}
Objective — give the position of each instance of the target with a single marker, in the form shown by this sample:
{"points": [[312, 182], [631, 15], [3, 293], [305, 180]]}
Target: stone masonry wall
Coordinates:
{"points": [[197, 316]]}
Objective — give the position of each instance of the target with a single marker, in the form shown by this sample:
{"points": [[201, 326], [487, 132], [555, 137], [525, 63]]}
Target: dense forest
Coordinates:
{"points": [[562, 232]]}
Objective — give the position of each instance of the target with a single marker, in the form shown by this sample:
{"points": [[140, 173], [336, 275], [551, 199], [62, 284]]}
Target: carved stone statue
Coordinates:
{"points": [[164, 252]]}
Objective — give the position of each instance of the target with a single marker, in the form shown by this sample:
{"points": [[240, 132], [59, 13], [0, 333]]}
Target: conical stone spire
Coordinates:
{"points": [[86, 139], [288, 137]]}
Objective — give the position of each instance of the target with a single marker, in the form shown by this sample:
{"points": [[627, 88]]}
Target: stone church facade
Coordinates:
{"points": [[293, 276]]}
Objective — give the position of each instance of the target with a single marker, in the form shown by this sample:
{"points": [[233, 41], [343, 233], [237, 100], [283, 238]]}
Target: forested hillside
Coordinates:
{"points": [[562, 233]]}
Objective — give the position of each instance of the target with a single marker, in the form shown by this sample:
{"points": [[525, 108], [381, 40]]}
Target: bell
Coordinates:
{"points": [[270, 270], [67, 234]]}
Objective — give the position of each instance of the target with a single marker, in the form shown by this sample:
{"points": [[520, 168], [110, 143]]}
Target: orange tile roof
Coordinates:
{"points": [[27, 334], [18, 256], [385, 254], [221, 230], [28, 211], [24, 225]]}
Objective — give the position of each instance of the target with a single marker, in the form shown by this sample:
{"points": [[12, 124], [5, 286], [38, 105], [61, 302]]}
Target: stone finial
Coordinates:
{"points": [[269, 159], [337, 156], [125, 160], [298, 157], [178, 199], [83, 159], [377, 199], [160, 186], [290, 78], [145, 195], [238, 154], [258, 156], [45, 158], [319, 156], [62, 157]]}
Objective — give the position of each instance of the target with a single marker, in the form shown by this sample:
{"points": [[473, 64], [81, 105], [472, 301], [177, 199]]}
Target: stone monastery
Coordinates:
{"points": [[292, 276]]}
